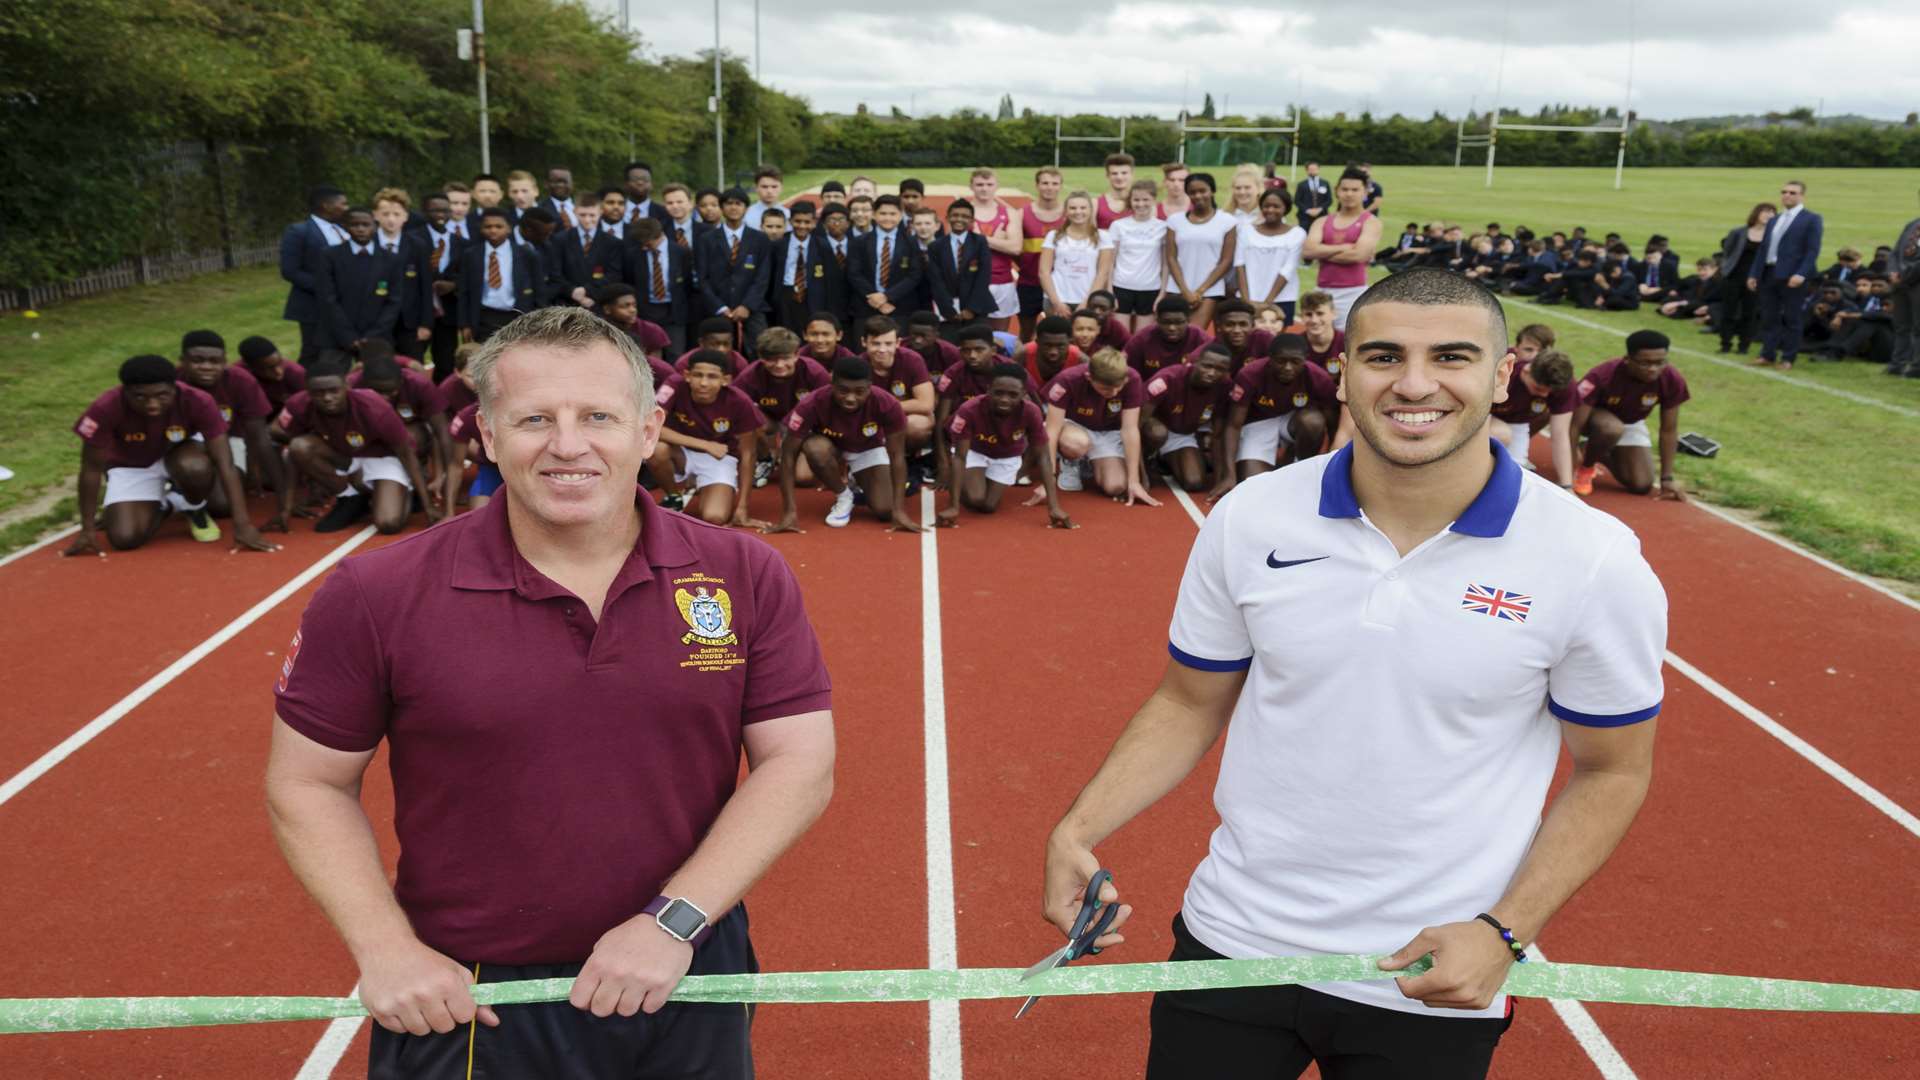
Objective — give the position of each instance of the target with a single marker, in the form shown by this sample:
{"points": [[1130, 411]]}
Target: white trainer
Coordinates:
{"points": [[1069, 478], [842, 512]]}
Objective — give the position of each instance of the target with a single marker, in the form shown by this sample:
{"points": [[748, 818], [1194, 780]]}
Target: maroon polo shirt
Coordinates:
{"points": [[549, 772], [1113, 334], [839, 351], [292, 380], [466, 426], [457, 393], [997, 436], [1312, 387], [133, 440], [1148, 351], [775, 397], [1072, 391], [1257, 345], [945, 355], [238, 394], [651, 338], [961, 383], [739, 362], [1182, 408], [368, 428], [1521, 407], [865, 428], [907, 372], [419, 397], [1609, 387], [731, 415], [1328, 358]]}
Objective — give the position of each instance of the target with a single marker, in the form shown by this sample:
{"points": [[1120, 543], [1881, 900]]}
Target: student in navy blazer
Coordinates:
{"points": [[663, 302], [362, 288], [783, 307], [889, 237], [960, 277], [484, 309], [585, 266], [731, 266], [1788, 259], [827, 288], [303, 248]]}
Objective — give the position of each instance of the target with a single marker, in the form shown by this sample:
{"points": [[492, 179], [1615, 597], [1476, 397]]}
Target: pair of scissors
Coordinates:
{"points": [[1086, 930]]}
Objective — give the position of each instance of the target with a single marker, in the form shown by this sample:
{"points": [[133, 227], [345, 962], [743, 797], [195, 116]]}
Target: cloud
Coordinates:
{"points": [[1406, 56]]}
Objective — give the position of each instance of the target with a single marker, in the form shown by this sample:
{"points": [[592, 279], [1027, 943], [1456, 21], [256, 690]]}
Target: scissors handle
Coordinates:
{"points": [[1086, 928]]}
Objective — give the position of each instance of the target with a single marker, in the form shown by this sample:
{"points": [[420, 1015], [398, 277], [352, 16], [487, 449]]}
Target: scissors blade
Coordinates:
{"points": [[1052, 960], [1024, 1006]]}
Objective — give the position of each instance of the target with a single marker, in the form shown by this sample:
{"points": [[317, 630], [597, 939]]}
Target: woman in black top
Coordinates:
{"points": [[1737, 253]]}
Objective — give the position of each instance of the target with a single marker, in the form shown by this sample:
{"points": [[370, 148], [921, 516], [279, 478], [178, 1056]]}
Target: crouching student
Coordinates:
{"points": [[708, 442], [855, 442], [1093, 414], [1185, 403], [352, 444], [1283, 410], [994, 437]]}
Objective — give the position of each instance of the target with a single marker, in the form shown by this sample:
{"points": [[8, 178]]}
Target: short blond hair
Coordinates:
{"points": [[394, 195], [1108, 367], [522, 174], [982, 173], [568, 329]]}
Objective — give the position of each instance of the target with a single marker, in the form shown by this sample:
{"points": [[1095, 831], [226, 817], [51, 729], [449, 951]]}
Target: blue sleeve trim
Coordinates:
{"points": [[1602, 719], [1201, 663]]}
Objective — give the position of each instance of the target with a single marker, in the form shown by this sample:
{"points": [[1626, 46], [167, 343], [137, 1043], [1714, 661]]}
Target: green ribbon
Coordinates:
{"points": [[1580, 982]]}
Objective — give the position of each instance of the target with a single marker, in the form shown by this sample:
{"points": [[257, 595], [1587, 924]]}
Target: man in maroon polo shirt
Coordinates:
{"points": [[1169, 341], [140, 439], [565, 751], [353, 444]]}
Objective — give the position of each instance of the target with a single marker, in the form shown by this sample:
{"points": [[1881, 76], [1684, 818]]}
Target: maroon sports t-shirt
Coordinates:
{"points": [[1328, 358], [238, 394], [961, 383], [368, 427], [419, 399], [550, 772], [776, 397], [651, 338], [1521, 407], [133, 440], [1182, 408], [1148, 351], [907, 372], [457, 393], [730, 415], [1072, 390], [1258, 343], [465, 427], [292, 380], [865, 428], [1609, 387], [1312, 387], [997, 436]]}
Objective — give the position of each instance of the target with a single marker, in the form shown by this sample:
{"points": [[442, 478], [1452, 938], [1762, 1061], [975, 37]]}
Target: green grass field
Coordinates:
{"points": [[1828, 455]]}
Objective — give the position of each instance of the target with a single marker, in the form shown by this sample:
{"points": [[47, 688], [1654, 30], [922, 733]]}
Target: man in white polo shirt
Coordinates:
{"points": [[1383, 779]]}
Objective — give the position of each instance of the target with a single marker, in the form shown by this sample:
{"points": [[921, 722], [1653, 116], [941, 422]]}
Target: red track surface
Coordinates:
{"points": [[143, 863]]}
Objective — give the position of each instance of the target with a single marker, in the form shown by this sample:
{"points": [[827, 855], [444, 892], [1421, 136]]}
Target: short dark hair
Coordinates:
{"points": [[379, 367], [887, 200], [910, 184], [734, 194], [257, 348], [876, 325], [616, 291], [329, 363], [202, 339], [1352, 172], [1108, 293], [496, 211], [538, 215], [975, 332], [145, 370], [802, 207], [713, 324], [1646, 339], [1173, 305], [766, 171], [632, 165], [1298, 342], [832, 209], [1007, 369], [923, 318], [833, 185], [322, 194], [606, 191], [711, 356], [827, 317], [1054, 324], [1430, 286], [1204, 177], [773, 211], [1232, 306], [853, 369]]}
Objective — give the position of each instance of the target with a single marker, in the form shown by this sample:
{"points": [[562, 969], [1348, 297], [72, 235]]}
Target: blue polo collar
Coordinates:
{"points": [[1487, 516]]}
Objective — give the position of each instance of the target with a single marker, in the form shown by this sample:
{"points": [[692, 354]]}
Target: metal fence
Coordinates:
{"points": [[144, 270]]}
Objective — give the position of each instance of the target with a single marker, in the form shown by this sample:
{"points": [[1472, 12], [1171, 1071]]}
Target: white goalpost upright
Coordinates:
{"points": [[1058, 138]]}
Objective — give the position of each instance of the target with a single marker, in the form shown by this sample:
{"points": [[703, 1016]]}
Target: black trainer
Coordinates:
{"points": [[347, 509]]}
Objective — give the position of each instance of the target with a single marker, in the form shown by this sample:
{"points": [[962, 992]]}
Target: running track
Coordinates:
{"points": [[142, 862]]}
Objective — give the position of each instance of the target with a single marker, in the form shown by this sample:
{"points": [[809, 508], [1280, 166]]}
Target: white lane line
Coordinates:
{"points": [[1735, 365], [1586, 1031], [943, 952], [332, 1046], [125, 705], [1873, 796], [1773, 538], [38, 544]]}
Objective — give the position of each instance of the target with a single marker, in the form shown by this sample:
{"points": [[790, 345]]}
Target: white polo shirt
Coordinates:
{"points": [[1388, 759]]}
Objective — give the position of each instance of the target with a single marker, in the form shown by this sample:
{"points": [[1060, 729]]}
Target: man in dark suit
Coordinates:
{"points": [[1312, 196], [361, 287], [663, 279], [640, 202], [558, 200], [443, 246], [827, 278], [730, 269], [883, 267], [588, 258], [960, 267], [787, 280], [1789, 256], [500, 278], [303, 248]]}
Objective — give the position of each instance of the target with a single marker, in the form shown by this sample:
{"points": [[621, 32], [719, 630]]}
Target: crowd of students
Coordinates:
{"points": [[863, 342]]}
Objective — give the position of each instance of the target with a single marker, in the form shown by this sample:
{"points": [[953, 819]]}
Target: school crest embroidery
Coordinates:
{"points": [[1333, 367], [1206, 414], [406, 412], [176, 433], [721, 427], [1649, 400], [708, 611], [899, 388], [1113, 405], [1539, 406], [356, 440], [1299, 401], [226, 413], [380, 288], [869, 429]]}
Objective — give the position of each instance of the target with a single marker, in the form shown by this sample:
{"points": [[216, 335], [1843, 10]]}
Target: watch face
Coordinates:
{"points": [[681, 919]]}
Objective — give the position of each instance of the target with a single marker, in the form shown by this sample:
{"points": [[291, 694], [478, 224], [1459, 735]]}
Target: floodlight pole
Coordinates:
{"points": [[1056, 140], [480, 65], [1626, 109], [759, 126], [719, 116]]}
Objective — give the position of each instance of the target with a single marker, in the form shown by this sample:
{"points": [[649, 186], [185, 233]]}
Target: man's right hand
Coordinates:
{"points": [[1069, 868], [718, 450], [414, 990], [84, 544]]}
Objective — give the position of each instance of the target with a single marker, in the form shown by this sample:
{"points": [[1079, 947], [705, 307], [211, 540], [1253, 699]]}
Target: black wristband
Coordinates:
{"points": [[1506, 935]]}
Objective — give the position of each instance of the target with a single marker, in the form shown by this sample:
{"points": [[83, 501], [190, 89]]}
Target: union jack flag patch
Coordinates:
{"points": [[1499, 603]]}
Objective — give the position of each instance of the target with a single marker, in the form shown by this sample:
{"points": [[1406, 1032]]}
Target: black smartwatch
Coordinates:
{"points": [[679, 917]]}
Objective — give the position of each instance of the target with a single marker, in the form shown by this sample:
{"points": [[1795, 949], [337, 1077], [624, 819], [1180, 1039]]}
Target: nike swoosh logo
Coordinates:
{"points": [[1281, 564]]}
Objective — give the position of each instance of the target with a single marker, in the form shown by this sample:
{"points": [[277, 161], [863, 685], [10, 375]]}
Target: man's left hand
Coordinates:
{"points": [[633, 969], [902, 523], [1138, 494], [1470, 963], [248, 538], [1670, 489], [1796, 281]]}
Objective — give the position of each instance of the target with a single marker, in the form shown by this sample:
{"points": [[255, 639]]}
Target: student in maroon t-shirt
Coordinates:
{"points": [[776, 382], [994, 437], [708, 442], [352, 444], [1185, 404], [1615, 400], [923, 337], [620, 305], [1169, 341], [821, 339], [138, 438], [1283, 410], [1093, 414], [962, 382], [279, 377], [850, 436], [1113, 329], [1233, 319], [243, 405], [712, 336], [1540, 394], [903, 373], [421, 406]]}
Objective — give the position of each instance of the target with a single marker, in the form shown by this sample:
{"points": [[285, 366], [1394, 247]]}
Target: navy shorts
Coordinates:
{"points": [[1134, 301], [486, 479], [1033, 300], [557, 1040]]}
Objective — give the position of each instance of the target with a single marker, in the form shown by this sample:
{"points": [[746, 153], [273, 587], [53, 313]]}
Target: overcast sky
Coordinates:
{"points": [[1690, 57]]}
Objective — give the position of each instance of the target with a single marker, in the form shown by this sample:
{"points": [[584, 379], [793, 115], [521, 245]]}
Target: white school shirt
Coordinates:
{"points": [[1139, 248], [1387, 772], [1198, 247], [335, 234], [500, 299], [1075, 264], [1266, 256]]}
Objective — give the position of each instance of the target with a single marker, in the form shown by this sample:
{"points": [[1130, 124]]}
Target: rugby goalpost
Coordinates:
{"points": [[1291, 131], [1058, 138]]}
